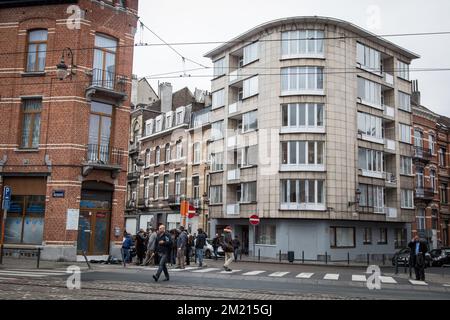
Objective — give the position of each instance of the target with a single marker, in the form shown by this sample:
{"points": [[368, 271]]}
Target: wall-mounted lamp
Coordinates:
{"points": [[62, 71]]}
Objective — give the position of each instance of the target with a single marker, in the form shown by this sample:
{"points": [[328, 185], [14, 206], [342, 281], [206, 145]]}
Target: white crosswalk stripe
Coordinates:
{"points": [[29, 274], [253, 273], [230, 272], [418, 283], [305, 275], [388, 280], [205, 270], [358, 278], [331, 276], [278, 274]]}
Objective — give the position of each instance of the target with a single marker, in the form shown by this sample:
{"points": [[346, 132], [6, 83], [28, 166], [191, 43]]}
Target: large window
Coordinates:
{"points": [[167, 152], [251, 53], [166, 186], [368, 58], [442, 155], [217, 130], [404, 101], [407, 199], [196, 187], [405, 133], [302, 194], [342, 237], [401, 238], [179, 149], [247, 156], [420, 219], [303, 116], [217, 161], [406, 165], [37, 50], [216, 195], [372, 198], [197, 152], [31, 124], [218, 99], [302, 152], [177, 184], [104, 72], [25, 220], [266, 235], [370, 125], [302, 43], [369, 92], [403, 70], [219, 68], [248, 192], [298, 80], [370, 160], [146, 188], [249, 121], [158, 156], [250, 87], [100, 132], [443, 189], [156, 188]]}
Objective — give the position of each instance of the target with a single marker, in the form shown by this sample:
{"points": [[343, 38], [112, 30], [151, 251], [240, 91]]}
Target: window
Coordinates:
{"points": [[217, 130], [367, 235], [433, 180], [407, 199], [372, 197], [266, 235], [442, 161], [180, 113], [420, 219], [403, 70], [405, 133], [369, 92], [432, 143], [219, 68], [156, 188], [434, 219], [251, 53], [420, 178], [249, 121], [369, 125], [99, 132], [383, 236], [371, 160], [31, 123], [443, 191], [406, 165], [250, 87], [167, 158], [158, 123], [217, 161], [302, 116], [418, 138], [196, 187], [166, 186], [302, 42], [146, 188], [248, 156], [297, 194], [218, 99], [158, 156], [104, 73], [216, 195], [404, 101], [179, 149], [342, 237], [147, 158], [149, 125], [169, 120], [300, 79], [37, 50], [302, 152], [400, 238], [248, 192], [197, 152], [368, 58], [177, 184]]}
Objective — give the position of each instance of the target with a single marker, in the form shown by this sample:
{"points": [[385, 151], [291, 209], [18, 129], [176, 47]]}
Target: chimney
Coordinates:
{"points": [[165, 94], [415, 97]]}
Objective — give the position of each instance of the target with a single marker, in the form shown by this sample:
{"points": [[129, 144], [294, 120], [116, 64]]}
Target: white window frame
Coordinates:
{"points": [[370, 93], [218, 99], [407, 199], [303, 108], [403, 70], [166, 186], [370, 127], [197, 152], [177, 184], [247, 121], [250, 87], [299, 186], [156, 188], [217, 130], [307, 166], [217, 162], [404, 101], [406, 166], [373, 164], [180, 115], [250, 53], [215, 195], [293, 77], [368, 58], [405, 133], [159, 123], [146, 188], [149, 126], [168, 119], [167, 153], [157, 156], [179, 149], [219, 68], [421, 219], [297, 44]]}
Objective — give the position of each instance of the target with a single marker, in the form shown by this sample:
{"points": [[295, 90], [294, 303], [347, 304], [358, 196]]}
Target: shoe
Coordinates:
{"points": [[155, 278], [166, 279], [228, 269]]}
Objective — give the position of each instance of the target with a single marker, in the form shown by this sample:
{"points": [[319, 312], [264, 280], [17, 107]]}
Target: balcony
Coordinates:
{"points": [[103, 157], [391, 213], [107, 84], [388, 113], [422, 154], [232, 142], [133, 176], [388, 79], [233, 209], [234, 107], [134, 147], [234, 175], [424, 194], [389, 146], [174, 202], [391, 180]]}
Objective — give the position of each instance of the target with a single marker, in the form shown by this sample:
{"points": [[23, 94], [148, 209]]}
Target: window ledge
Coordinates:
{"points": [[404, 110], [320, 56], [33, 74], [246, 98], [319, 92], [371, 71], [305, 168], [218, 107], [25, 150], [218, 77], [287, 130], [219, 171]]}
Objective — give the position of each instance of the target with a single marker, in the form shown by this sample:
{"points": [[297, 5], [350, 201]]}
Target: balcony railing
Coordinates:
{"points": [[233, 209], [422, 153], [424, 193], [389, 112], [104, 154], [107, 80], [391, 213], [389, 145], [234, 174], [388, 78], [391, 179], [234, 107]]}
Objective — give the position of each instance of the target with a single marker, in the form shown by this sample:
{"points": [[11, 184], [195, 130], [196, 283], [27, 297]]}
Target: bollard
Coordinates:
{"points": [[348, 258], [303, 257], [280, 255], [326, 257], [38, 258], [259, 255]]}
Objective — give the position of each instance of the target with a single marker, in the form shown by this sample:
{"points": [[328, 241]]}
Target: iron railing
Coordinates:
{"points": [[104, 154], [424, 193], [422, 153], [108, 80]]}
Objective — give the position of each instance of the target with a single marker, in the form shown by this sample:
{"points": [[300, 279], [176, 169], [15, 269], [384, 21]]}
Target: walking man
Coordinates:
{"points": [[126, 247], [215, 245], [417, 257], [181, 247], [141, 238], [227, 246], [200, 246], [163, 246], [236, 246], [151, 246]]}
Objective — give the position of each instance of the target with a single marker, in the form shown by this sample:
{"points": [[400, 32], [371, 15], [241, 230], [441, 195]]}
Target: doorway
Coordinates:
{"points": [[245, 240]]}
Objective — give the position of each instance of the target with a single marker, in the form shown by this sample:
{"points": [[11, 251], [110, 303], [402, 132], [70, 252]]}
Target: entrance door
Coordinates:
{"points": [[93, 232], [245, 238]]}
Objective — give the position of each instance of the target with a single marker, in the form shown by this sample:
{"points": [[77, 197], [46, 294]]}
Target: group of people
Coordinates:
{"points": [[176, 247]]}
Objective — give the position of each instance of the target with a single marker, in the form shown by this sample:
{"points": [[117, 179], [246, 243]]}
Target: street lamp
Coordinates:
{"points": [[61, 68]]}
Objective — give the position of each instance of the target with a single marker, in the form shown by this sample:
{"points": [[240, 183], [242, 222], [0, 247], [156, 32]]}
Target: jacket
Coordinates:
{"points": [[165, 247], [227, 244], [200, 241], [151, 245], [127, 242], [236, 243], [423, 248], [182, 240]]}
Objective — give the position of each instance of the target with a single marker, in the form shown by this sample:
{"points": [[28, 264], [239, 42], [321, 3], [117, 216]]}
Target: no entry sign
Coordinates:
{"points": [[254, 220]]}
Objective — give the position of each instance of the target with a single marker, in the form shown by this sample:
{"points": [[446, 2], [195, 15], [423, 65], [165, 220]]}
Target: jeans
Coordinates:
{"points": [[199, 254], [215, 252], [162, 266], [236, 253], [126, 255], [181, 257], [228, 259]]}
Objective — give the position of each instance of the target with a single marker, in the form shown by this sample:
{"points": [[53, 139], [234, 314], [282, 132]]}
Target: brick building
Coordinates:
{"points": [[443, 147], [63, 149]]}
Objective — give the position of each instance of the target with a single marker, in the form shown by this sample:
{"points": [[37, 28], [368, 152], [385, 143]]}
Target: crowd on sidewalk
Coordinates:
{"points": [[176, 247]]}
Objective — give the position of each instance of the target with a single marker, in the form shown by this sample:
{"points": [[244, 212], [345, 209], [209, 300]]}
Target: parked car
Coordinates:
{"points": [[440, 257], [402, 257], [209, 250]]}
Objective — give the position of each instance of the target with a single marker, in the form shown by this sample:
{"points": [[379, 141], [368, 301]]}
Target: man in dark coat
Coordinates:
{"points": [[141, 239], [417, 257], [227, 246], [163, 248]]}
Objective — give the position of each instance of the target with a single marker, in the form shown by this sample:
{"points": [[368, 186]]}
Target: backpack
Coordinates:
{"points": [[201, 241]]}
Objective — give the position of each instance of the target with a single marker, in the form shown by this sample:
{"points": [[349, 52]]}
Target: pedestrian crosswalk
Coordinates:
{"points": [[331, 276], [12, 274]]}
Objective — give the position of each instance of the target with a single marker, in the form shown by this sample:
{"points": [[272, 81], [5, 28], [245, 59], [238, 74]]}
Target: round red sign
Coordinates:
{"points": [[254, 220]]}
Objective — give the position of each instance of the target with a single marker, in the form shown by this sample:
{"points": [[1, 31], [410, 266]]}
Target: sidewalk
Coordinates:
{"points": [[31, 263]]}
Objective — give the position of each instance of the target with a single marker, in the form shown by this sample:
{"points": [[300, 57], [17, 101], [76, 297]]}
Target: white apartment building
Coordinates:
{"points": [[311, 130]]}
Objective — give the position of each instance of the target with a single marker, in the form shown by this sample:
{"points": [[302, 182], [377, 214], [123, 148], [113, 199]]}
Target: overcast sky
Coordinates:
{"points": [[211, 20]]}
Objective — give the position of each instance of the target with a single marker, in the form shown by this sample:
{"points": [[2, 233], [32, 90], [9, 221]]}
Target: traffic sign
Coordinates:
{"points": [[191, 211], [254, 220], [6, 198]]}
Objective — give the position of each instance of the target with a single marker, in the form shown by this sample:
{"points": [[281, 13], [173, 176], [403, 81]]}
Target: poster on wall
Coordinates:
{"points": [[73, 216]]}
